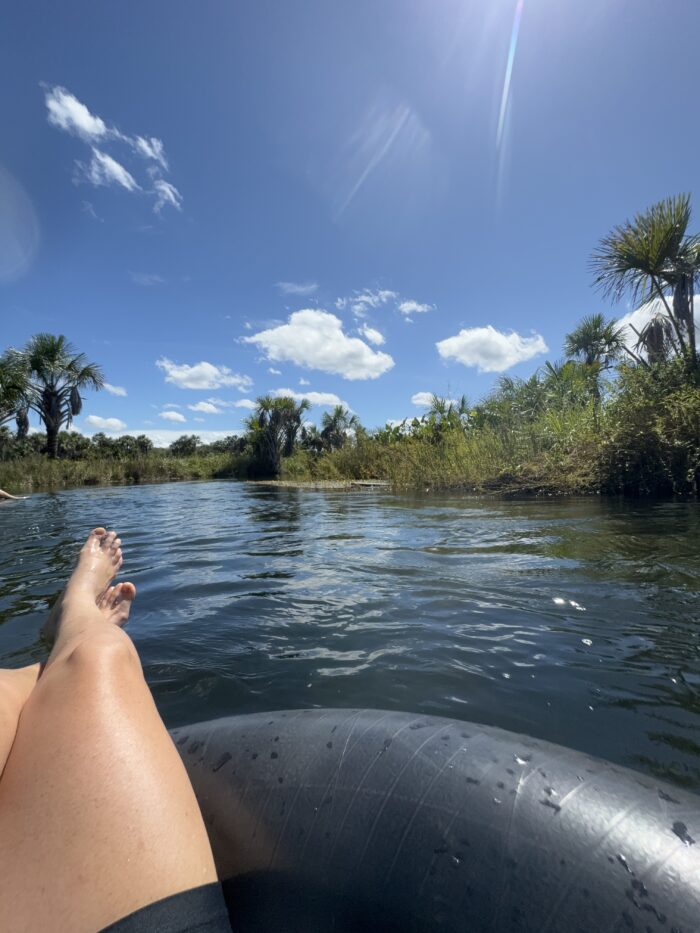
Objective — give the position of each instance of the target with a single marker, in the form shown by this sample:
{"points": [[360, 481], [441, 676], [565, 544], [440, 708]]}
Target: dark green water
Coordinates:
{"points": [[574, 621]]}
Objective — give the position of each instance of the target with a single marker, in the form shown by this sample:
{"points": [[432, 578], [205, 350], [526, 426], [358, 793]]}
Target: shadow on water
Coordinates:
{"points": [[575, 621]]}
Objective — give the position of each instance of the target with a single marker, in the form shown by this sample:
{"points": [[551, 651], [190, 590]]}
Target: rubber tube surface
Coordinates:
{"points": [[366, 820]]}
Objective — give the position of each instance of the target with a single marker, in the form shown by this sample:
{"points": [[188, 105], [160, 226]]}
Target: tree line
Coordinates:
{"points": [[618, 414]]}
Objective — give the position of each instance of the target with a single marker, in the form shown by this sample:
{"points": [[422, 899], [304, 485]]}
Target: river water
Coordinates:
{"points": [[574, 621]]}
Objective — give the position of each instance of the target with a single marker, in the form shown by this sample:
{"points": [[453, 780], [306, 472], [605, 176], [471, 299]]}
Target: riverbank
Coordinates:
{"points": [[37, 473]]}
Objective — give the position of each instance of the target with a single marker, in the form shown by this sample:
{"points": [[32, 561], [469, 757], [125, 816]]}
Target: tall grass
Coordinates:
{"points": [[39, 473], [643, 440], [556, 453]]}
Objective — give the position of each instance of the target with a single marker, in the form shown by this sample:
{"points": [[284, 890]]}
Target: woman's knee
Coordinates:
{"points": [[16, 684], [111, 650]]}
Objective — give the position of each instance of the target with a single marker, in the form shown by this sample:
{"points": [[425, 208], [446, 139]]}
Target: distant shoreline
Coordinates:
{"points": [[38, 474]]}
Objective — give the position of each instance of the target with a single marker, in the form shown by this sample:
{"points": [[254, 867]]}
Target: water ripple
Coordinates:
{"points": [[574, 621]]}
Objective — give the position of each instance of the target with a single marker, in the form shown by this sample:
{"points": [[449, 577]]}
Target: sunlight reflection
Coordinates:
{"points": [[505, 95], [385, 130], [19, 228]]}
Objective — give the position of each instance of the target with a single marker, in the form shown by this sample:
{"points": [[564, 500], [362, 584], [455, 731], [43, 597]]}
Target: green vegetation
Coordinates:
{"points": [[610, 418], [102, 460], [54, 373]]}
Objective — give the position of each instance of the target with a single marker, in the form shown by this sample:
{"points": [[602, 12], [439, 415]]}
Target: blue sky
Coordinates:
{"points": [[362, 201]]}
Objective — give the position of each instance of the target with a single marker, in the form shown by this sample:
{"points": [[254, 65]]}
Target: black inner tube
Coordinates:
{"points": [[365, 820]]}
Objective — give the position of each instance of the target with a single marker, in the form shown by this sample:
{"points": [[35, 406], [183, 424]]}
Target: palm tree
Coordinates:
{"points": [[565, 385], [336, 426], [654, 257], [596, 343], [13, 387], [274, 426], [311, 439], [56, 374]]}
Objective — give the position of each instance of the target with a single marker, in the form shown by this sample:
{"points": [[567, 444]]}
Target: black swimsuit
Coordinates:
{"points": [[199, 910]]}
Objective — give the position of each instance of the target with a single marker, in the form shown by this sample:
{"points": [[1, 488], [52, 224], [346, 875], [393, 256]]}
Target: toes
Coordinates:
{"points": [[108, 539], [115, 596], [105, 597], [128, 592], [95, 538]]}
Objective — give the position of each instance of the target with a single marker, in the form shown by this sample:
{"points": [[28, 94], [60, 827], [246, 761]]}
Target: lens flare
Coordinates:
{"points": [[505, 96], [19, 228]]}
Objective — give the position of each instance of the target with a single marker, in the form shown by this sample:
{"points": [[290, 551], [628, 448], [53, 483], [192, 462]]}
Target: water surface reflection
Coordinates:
{"points": [[575, 621]]}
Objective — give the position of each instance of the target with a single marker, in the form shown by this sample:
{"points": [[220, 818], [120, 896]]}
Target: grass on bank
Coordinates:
{"points": [[485, 461], [35, 473], [643, 439]]}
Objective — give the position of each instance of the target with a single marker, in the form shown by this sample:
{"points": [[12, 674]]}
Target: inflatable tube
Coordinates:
{"points": [[363, 820]]}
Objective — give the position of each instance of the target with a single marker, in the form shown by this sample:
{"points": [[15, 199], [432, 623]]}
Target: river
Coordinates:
{"points": [[576, 621]]}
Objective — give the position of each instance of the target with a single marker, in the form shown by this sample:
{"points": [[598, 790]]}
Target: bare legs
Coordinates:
{"points": [[15, 688], [97, 814], [6, 495]]}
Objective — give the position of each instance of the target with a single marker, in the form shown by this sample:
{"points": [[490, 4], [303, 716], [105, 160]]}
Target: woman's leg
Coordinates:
{"points": [[15, 687], [18, 683], [97, 814]]}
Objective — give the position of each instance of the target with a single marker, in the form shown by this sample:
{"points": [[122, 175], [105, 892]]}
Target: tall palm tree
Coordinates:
{"points": [[13, 387], [274, 427], [311, 439], [56, 374], [654, 257], [596, 343], [336, 426], [565, 384]]}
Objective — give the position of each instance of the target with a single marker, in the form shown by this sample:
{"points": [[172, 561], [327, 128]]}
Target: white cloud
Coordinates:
{"points": [[88, 208], [163, 437], [425, 399], [315, 339], [105, 424], [209, 408], [67, 113], [490, 350], [202, 375], [173, 416], [640, 317], [114, 390], [166, 194], [237, 403], [146, 278], [374, 336], [360, 303], [151, 149], [275, 372], [104, 170], [304, 382], [297, 288], [322, 399], [414, 307], [200, 420]]}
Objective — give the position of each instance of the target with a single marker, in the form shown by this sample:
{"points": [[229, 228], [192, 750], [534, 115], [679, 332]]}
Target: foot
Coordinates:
{"points": [[115, 603], [98, 563]]}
